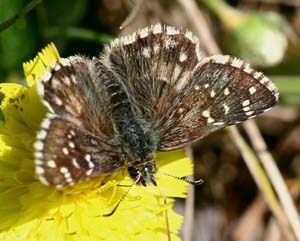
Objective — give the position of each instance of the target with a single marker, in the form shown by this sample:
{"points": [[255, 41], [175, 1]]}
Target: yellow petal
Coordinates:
{"points": [[34, 69]]}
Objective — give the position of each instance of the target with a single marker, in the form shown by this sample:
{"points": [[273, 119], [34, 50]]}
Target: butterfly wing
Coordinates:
{"points": [[66, 153], [73, 143], [153, 64], [183, 94], [222, 91]]}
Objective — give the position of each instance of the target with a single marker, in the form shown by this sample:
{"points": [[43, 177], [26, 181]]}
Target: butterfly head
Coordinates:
{"points": [[143, 173]]}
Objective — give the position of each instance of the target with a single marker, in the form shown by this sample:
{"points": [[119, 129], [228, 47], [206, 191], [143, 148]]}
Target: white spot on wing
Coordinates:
{"points": [[67, 175], [220, 59], [144, 32], [69, 180], [146, 52], [40, 89], [46, 76], [157, 28], [89, 172], [257, 75], [182, 56], [65, 62], [252, 90], [180, 110], [64, 170], [189, 35], [39, 145], [88, 159], [47, 105], [237, 63], [46, 123], [51, 164], [39, 170], [246, 102], [220, 123], [206, 113], [129, 39], [42, 135], [43, 180], [196, 87], [38, 162], [212, 94], [172, 30], [75, 163], [57, 67], [38, 155], [55, 83], [210, 120], [65, 151], [67, 80], [58, 101], [248, 69], [264, 80], [226, 109], [226, 91], [247, 108], [249, 112], [71, 144]]}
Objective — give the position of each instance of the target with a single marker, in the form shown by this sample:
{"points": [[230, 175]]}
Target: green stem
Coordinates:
{"points": [[31, 5]]}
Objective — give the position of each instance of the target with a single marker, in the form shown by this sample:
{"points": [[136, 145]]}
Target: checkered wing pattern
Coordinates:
{"points": [[221, 91], [72, 144], [183, 94], [153, 64]]}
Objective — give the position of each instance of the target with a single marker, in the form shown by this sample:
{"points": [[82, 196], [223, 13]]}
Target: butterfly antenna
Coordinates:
{"points": [[185, 179], [121, 199]]}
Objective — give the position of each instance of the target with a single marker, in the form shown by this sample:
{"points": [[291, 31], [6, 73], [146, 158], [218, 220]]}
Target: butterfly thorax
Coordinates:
{"points": [[138, 144]]}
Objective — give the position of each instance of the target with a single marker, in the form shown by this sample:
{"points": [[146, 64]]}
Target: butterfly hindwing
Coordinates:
{"points": [[66, 154]]}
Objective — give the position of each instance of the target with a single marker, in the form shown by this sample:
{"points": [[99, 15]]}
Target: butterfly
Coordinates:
{"points": [[153, 90]]}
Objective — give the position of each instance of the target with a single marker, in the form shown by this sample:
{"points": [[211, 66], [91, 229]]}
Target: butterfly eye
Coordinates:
{"points": [[151, 168], [133, 172]]}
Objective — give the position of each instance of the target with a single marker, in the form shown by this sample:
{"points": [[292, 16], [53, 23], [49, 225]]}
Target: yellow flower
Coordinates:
{"points": [[30, 210]]}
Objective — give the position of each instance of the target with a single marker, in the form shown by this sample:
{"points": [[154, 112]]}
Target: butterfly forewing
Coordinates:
{"points": [[222, 91], [68, 90], [154, 64]]}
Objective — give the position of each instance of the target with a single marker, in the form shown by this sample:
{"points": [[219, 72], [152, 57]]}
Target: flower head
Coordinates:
{"points": [[30, 210]]}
